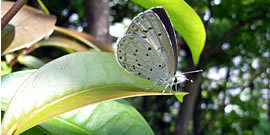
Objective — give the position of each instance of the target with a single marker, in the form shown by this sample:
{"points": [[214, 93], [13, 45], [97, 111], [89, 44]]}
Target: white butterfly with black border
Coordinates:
{"points": [[148, 48]]}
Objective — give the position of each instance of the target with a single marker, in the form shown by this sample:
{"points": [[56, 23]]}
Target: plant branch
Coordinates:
{"points": [[221, 109], [12, 12], [23, 53], [235, 29]]}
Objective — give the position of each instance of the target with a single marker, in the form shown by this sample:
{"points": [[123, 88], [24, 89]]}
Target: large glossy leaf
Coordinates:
{"points": [[108, 118], [31, 25], [185, 21], [68, 83], [112, 117]]}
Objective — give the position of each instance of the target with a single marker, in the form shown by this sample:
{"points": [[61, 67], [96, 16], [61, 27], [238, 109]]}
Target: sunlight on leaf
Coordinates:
{"points": [[118, 117]]}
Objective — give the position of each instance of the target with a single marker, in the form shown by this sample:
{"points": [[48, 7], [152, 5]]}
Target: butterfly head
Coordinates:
{"points": [[180, 77]]}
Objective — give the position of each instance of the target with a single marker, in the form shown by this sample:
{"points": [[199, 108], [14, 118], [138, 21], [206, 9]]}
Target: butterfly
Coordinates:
{"points": [[149, 49]]}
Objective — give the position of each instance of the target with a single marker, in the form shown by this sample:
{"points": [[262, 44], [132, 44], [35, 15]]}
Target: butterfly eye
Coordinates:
{"points": [[175, 80], [149, 48], [159, 34]]}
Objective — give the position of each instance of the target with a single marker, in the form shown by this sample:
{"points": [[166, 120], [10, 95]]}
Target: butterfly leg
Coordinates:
{"points": [[166, 88], [176, 87]]}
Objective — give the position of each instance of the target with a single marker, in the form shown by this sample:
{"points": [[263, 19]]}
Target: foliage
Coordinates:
{"points": [[67, 83], [234, 90]]}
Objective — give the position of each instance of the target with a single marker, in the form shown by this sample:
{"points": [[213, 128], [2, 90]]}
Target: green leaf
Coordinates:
{"points": [[68, 83], [180, 97], [10, 83], [5, 68], [108, 118], [62, 42], [30, 61], [85, 38], [7, 36], [117, 117], [185, 21], [37, 130]]}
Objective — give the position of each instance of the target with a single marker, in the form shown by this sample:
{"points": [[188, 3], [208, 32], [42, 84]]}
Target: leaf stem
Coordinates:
{"points": [[23, 53], [45, 9], [12, 12]]}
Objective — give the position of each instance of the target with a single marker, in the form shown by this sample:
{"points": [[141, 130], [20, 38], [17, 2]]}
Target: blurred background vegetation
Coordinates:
{"points": [[233, 96]]}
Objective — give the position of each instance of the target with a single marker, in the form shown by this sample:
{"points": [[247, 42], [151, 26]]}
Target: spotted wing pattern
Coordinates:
{"points": [[149, 26], [146, 48], [138, 56]]}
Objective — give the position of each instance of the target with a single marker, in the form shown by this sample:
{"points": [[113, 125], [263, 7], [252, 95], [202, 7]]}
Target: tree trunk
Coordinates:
{"points": [[196, 114], [97, 18], [186, 108]]}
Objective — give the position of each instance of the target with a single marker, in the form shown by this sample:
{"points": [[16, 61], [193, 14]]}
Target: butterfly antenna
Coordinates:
{"points": [[189, 80], [195, 71]]}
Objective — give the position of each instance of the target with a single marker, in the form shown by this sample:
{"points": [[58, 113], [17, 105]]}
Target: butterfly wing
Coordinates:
{"points": [[138, 56], [162, 14], [155, 27]]}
